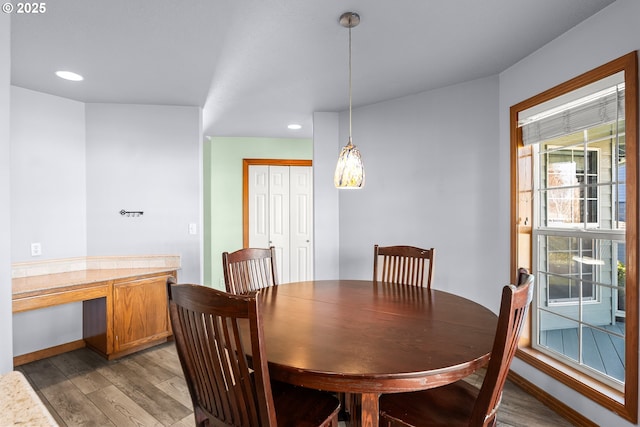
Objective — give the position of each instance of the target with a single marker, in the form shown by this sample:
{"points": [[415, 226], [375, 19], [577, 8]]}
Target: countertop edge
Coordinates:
{"points": [[26, 287]]}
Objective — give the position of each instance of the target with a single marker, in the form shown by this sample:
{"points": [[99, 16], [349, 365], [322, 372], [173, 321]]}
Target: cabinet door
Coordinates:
{"points": [[140, 312]]}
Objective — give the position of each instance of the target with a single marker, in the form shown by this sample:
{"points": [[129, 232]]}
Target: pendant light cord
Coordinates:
{"points": [[350, 80]]}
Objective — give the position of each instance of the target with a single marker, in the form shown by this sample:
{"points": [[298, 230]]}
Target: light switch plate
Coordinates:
{"points": [[36, 249]]}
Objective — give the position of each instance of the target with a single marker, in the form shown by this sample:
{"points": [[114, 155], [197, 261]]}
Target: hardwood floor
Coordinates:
{"points": [[147, 388]]}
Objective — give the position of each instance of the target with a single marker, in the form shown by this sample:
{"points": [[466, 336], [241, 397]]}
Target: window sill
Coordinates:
{"points": [[600, 393]]}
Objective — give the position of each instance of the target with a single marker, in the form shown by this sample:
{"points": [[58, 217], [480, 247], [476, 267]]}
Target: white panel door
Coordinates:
{"points": [[281, 215], [279, 218], [301, 217], [259, 206]]}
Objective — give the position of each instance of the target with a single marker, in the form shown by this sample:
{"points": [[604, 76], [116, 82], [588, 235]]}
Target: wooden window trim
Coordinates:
{"points": [[245, 186], [624, 404]]}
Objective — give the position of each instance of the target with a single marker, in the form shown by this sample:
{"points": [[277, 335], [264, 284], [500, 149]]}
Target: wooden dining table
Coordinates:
{"points": [[367, 338]]}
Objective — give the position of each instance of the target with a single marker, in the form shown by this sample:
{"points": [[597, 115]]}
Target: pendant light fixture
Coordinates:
{"points": [[349, 170]]}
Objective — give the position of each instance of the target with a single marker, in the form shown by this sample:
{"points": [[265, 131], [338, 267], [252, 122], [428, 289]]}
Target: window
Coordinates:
{"points": [[572, 149], [577, 239]]}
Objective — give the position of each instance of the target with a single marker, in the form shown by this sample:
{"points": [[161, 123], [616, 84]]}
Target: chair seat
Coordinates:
{"points": [[302, 407], [450, 405]]}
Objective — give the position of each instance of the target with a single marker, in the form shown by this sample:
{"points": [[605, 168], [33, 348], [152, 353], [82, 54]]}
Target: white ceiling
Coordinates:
{"points": [[257, 65]]}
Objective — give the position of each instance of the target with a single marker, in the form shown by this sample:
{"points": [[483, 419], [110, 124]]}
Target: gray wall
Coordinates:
{"points": [[607, 35], [145, 158], [431, 181], [48, 203], [73, 172], [326, 148], [48, 184], [6, 349]]}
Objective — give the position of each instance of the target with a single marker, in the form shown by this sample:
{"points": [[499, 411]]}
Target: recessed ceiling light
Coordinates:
{"points": [[294, 126], [68, 75]]}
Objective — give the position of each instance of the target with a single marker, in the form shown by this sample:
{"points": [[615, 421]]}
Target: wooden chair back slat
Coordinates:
{"points": [[406, 265], [249, 269]]}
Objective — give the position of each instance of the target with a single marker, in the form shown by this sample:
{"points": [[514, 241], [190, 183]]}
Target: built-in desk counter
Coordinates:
{"points": [[124, 309], [32, 292]]}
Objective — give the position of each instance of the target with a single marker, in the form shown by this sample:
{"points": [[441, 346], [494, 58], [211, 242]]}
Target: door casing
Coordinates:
{"points": [[245, 186]]}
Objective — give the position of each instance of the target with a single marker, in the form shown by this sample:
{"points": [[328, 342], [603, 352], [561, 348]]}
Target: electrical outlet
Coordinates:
{"points": [[193, 229], [36, 249]]}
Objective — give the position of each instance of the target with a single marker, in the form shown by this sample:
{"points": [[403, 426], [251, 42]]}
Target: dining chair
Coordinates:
{"points": [[403, 264], [228, 377], [249, 269], [460, 403], [523, 275]]}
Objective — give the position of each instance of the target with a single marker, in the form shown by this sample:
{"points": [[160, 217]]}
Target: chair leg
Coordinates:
{"points": [[355, 409], [201, 419], [331, 422]]}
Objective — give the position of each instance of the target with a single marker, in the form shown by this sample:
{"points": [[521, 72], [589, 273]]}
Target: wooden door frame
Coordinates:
{"points": [[245, 186]]}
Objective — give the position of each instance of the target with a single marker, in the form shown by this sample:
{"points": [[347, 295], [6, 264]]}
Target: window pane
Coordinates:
{"points": [[572, 267], [571, 190], [592, 211], [621, 277], [602, 311], [592, 164], [604, 351], [561, 208], [559, 335], [567, 263], [601, 349], [600, 132]]}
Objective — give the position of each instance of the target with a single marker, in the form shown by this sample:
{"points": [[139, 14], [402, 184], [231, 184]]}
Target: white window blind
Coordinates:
{"points": [[574, 112]]}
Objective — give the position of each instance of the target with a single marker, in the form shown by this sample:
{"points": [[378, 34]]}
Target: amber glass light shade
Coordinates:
{"points": [[349, 170]]}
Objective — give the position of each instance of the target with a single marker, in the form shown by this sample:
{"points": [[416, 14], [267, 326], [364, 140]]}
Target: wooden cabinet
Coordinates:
{"points": [[139, 313], [133, 316]]}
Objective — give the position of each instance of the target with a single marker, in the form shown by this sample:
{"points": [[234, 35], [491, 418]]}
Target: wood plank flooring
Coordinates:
{"points": [[81, 388]]}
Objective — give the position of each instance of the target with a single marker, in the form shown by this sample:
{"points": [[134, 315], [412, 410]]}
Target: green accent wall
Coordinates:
{"points": [[223, 191]]}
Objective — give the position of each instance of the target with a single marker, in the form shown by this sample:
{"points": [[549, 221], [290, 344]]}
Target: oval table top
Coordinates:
{"points": [[367, 337]]}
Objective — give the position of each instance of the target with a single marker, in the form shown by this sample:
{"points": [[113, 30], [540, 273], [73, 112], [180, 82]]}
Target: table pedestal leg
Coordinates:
{"points": [[370, 409]]}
